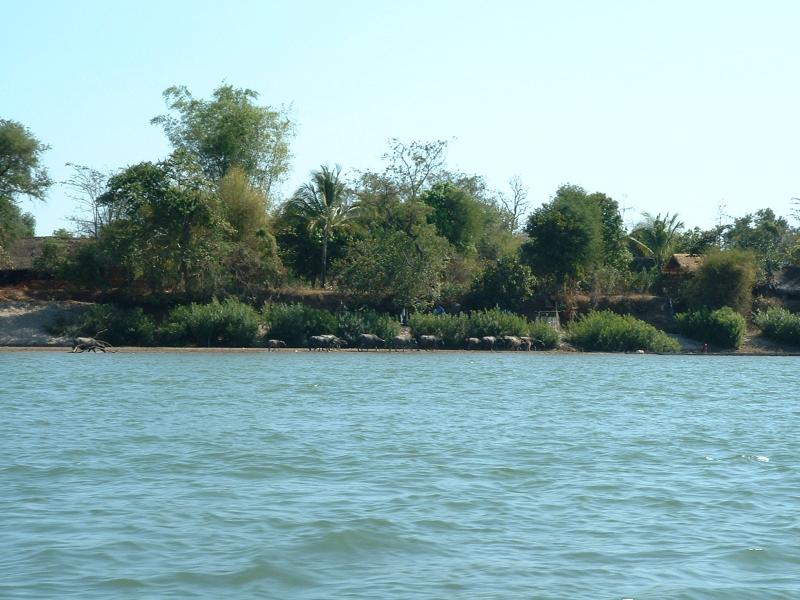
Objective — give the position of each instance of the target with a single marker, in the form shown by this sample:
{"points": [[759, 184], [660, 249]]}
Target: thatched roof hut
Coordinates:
{"points": [[20, 255], [682, 264], [787, 282], [23, 252]]}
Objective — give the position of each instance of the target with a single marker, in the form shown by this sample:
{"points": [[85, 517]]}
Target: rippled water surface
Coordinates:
{"points": [[409, 475]]}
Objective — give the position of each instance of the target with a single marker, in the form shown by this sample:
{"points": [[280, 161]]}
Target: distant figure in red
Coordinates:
{"points": [[705, 348]]}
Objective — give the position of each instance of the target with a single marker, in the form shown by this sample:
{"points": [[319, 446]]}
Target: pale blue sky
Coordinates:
{"points": [[670, 105]]}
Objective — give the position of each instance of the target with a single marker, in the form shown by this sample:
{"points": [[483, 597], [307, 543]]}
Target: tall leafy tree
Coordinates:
{"points": [[168, 217], [251, 253], [21, 174], [395, 269], [507, 283], [456, 216], [327, 204], [230, 130], [615, 252], [768, 236], [565, 236]]}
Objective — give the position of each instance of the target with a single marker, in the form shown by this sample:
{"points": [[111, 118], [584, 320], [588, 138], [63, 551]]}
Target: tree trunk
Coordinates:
{"points": [[184, 258], [324, 257]]}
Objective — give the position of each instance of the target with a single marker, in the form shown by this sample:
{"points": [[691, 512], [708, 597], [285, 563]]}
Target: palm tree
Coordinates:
{"points": [[326, 202], [657, 236]]}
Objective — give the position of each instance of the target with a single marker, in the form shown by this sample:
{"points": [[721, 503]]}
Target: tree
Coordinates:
{"points": [[14, 224], [251, 253], [244, 207], [615, 251], [456, 216], [327, 205], [395, 269], [768, 236], [86, 186], [230, 130], [657, 236], [506, 284], [414, 166], [699, 241], [517, 204], [566, 236], [21, 174], [167, 223]]}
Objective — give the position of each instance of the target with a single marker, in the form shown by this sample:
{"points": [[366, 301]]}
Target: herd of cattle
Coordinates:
{"points": [[370, 341]]}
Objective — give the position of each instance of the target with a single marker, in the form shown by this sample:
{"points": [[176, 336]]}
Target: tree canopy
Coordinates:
{"points": [[230, 130], [566, 236], [21, 174]]}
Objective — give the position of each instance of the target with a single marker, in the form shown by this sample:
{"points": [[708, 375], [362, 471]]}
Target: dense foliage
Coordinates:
{"points": [[574, 236], [21, 174], [229, 323], [230, 130], [725, 278], [294, 323], [605, 331], [506, 283], [350, 324], [206, 221], [723, 327], [779, 324], [454, 329], [118, 325]]}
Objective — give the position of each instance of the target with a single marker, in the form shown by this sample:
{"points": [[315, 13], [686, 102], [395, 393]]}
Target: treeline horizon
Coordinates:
{"points": [[205, 222]]}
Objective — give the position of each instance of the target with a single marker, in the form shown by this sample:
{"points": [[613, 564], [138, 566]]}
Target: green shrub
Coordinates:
{"points": [[725, 278], [294, 323], [350, 324], [506, 283], [723, 327], [545, 334], [453, 329], [228, 323], [606, 331], [116, 325], [779, 324], [54, 257]]}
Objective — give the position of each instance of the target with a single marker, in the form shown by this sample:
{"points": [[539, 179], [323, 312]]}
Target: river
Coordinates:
{"points": [[398, 475]]}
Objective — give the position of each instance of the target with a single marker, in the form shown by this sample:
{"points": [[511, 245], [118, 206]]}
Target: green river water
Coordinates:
{"points": [[399, 475]]}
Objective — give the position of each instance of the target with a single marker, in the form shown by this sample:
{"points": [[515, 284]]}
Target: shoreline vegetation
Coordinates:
{"points": [[556, 351], [198, 248], [232, 326]]}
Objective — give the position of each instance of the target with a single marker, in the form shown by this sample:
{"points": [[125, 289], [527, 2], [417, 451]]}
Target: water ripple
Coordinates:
{"points": [[410, 475]]}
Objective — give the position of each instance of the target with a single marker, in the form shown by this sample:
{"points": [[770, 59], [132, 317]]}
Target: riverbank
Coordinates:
{"points": [[26, 324], [742, 352]]}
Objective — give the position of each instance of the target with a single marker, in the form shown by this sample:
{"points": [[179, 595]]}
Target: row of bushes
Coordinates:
{"points": [[454, 329], [606, 331], [723, 327], [294, 323], [229, 323], [779, 324]]}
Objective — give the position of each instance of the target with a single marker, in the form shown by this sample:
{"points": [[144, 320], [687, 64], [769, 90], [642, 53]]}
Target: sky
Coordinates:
{"points": [[667, 106]]}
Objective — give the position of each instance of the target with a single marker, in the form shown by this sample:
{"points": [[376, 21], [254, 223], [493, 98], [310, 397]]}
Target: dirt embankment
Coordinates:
{"points": [[26, 321]]}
